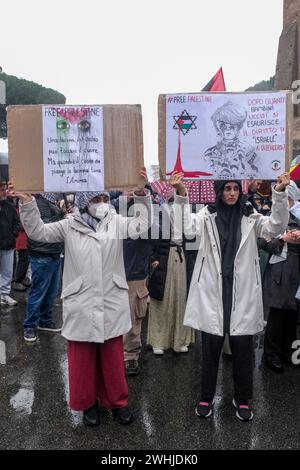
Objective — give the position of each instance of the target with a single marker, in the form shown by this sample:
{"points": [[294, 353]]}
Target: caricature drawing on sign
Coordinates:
{"points": [[231, 157]]}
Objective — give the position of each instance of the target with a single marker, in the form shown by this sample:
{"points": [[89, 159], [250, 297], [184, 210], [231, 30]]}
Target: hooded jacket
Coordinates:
{"points": [[95, 291], [204, 310]]}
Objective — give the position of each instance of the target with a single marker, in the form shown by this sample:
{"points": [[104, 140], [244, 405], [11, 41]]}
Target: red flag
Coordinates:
{"points": [[217, 83], [205, 189]]}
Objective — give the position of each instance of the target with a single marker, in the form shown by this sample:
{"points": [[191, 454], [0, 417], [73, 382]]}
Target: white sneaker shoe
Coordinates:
{"points": [[7, 300], [184, 349], [158, 351]]}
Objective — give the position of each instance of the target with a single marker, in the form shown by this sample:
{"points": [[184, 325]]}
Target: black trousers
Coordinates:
{"points": [[242, 363], [281, 332], [22, 266]]}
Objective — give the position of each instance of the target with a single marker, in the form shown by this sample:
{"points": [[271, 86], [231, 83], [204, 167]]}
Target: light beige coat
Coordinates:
{"points": [[95, 291], [204, 309]]}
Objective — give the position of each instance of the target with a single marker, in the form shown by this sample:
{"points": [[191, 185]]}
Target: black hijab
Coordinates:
{"points": [[228, 221]]}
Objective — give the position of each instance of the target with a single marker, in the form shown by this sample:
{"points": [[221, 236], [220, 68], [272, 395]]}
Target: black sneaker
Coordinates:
{"points": [[18, 287], [132, 368], [123, 415], [50, 327], [204, 409], [91, 416], [243, 410], [29, 335], [274, 363]]}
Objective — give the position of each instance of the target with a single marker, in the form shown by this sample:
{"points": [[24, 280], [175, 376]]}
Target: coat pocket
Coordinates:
{"points": [[72, 288], [120, 282], [142, 292], [141, 303], [276, 273]]}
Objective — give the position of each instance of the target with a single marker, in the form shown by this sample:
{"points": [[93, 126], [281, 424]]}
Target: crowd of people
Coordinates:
{"points": [[226, 269]]}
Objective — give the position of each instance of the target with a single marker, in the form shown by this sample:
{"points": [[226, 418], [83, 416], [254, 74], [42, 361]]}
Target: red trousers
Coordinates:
{"points": [[96, 370]]}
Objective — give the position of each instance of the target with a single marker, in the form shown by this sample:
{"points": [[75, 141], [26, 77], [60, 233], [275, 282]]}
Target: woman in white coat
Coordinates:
{"points": [[96, 311], [225, 294]]}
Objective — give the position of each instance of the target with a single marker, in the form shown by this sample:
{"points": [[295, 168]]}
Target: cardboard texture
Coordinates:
{"points": [[162, 128], [123, 146]]}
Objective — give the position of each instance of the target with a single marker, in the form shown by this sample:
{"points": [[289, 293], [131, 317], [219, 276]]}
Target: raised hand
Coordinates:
{"points": [[282, 182], [142, 181], [176, 182], [143, 178], [24, 197], [128, 193]]}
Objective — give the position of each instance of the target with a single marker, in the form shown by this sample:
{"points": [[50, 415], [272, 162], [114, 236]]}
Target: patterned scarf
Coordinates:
{"points": [[81, 202], [91, 221], [82, 198], [51, 197]]}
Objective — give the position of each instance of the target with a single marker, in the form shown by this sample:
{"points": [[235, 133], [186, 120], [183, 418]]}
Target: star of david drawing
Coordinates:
{"points": [[185, 122]]}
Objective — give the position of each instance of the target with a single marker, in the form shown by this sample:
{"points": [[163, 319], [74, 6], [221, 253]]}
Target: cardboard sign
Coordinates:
{"points": [[225, 135], [74, 148]]}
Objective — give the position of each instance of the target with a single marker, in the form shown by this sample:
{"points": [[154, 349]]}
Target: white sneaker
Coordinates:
{"points": [[7, 300], [184, 349], [158, 351]]}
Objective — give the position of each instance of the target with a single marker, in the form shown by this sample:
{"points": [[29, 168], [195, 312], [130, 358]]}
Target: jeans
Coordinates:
{"points": [[45, 280], [6, 270]]}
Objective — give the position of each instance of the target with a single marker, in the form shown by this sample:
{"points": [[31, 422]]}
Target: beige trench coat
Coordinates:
{"points": [[95, 291]]}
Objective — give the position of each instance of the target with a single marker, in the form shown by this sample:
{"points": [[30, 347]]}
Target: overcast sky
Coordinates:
{"points": [[117, 51]]}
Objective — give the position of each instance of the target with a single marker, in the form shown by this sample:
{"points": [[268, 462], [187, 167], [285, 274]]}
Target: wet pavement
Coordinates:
{"points": [[34, 413]]}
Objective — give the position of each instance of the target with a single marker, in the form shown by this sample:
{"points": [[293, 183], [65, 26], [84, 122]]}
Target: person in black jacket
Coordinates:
{"points": [[280, 285], [45, 261], [260, 199], [9, 229], [137, 254], [253, 196], [137, 260]]}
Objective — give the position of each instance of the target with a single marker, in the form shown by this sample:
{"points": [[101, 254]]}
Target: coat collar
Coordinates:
{"points": [[247, 225]]}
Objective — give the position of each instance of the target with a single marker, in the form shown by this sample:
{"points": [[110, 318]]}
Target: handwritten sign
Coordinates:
{"points": [[225, 135], [56, 148], [73, 148]]}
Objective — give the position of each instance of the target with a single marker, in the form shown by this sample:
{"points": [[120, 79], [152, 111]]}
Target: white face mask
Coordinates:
{"points": [[99, 210]]}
